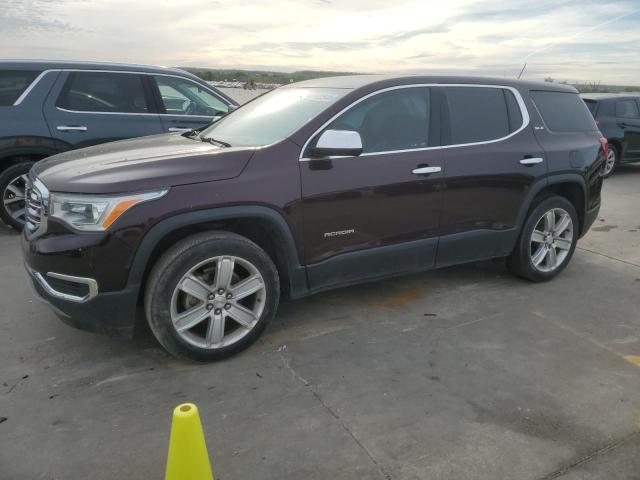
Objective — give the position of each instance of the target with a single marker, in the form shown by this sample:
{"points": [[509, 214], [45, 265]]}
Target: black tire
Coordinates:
{"points": [[614, 150], [176, 262], [6, 178], [520, 261]]}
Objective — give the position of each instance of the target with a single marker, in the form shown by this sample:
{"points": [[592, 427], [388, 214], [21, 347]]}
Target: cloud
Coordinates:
{"points": [[458, 36]]}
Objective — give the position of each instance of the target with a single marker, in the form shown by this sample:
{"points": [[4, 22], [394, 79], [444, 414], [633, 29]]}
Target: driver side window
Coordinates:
{"points": [[393, 120], [183, 97]]}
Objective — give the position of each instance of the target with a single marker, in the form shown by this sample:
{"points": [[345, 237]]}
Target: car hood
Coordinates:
{"points": [[140, 164]]}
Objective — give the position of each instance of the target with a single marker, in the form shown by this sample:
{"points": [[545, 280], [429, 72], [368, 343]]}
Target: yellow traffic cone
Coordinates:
{"points": [[188, 458]]}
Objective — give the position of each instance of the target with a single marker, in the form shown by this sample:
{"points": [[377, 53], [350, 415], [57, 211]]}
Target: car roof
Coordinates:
{"points": [[68, 64], [353, 82], [609, 96]]}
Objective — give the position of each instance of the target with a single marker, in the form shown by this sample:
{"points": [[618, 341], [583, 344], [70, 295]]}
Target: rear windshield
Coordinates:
{"points": [[13, 83], [564, 111]]}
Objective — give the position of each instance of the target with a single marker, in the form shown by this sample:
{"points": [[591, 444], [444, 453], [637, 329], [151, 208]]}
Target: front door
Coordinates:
{"points": [[186, 105], [376, 213], [86, 108]]}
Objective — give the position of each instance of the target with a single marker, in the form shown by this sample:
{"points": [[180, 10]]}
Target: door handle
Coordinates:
{"points": [[71, 128], [531, 161], [180, 129], [426, 170]]}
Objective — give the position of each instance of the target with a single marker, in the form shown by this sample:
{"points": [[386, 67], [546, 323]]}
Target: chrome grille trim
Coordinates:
{"points": [[37, 198]]}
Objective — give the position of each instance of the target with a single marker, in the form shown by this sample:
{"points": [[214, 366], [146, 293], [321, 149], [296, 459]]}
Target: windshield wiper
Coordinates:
{"points": [[213, 141]]}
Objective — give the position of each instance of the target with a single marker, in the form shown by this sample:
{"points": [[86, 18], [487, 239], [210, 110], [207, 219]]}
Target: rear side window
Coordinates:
{"points": [[13, 83], [481, 114], [104, 92], [563, 111], [627, 109]]}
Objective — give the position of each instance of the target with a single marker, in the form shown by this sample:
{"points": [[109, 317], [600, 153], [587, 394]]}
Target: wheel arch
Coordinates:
{"points": [[262, 225], [570, 186]]}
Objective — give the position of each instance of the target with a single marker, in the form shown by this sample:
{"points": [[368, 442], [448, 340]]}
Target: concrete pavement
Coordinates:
{"points": [[462, 373]]}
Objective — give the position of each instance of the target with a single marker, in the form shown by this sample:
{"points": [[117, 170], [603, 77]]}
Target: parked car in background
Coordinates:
{"points": [[618, 117], [52, 107], [312, 186]]}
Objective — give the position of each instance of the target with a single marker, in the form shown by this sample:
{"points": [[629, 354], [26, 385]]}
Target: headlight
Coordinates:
{"points": [[94, 213]]}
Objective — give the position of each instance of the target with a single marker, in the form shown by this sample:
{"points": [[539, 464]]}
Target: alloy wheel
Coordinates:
{"points": [[13, 198], [551, 240], [218, 302], [610, 162]]}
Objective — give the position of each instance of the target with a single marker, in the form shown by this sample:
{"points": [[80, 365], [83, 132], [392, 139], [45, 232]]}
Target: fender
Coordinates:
{"points": [[542, 184], [298, 286]]}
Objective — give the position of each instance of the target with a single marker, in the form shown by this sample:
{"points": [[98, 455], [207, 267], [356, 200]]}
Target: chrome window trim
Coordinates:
{"points": [[31, 86], [90, 282], [133, 113], [523, 111], [39, 77]]}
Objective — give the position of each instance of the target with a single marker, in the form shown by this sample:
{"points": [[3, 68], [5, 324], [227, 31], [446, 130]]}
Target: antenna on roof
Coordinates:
{"points": [[522, 71]]}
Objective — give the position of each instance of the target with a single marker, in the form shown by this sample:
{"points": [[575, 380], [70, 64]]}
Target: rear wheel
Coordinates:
{"points": [[611, 163], [547, 241], [13, 182], [211, 295]]}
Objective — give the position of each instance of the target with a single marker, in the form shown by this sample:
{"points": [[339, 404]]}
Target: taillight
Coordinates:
{"points": [[605, 146]]}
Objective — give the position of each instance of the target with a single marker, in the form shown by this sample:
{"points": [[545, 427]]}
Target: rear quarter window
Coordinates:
{"points": [[13, 83], [563, 111]]}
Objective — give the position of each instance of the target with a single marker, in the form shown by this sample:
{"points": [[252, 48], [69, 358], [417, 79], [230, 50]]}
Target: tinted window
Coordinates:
{"points": [[564, 111], [592, 105], [393, 120], [627, 109], [479, 114], [273, 116], [183, 97], [13, 83], [104, 92]]}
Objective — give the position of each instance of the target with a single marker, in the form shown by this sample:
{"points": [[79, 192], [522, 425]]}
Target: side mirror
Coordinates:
{"points": [[338, 143]]}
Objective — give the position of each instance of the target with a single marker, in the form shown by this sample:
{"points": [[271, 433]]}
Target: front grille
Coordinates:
{"points": [[34, 208], [36, 204], [68, 287]]}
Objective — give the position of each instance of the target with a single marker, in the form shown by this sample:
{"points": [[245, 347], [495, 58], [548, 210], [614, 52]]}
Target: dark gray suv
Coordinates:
{"points": [[52, 107]]}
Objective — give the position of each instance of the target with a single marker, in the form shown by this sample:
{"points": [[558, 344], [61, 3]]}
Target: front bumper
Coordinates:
{"points": [[112, 313]]}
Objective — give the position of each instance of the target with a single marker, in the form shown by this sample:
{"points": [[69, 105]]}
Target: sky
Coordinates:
{"points": [[573, 40]]}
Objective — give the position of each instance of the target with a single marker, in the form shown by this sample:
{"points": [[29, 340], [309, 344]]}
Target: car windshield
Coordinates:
{"points": [[272, 117]]}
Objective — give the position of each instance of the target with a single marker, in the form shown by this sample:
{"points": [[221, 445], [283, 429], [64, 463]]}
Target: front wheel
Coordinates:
{"points": [[13, 182], [211, 295], [547, 240]]}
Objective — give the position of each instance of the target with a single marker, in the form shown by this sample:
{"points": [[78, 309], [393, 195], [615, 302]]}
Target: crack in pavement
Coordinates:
{"points": [[608, 256], [287, 364], [607, 448]]}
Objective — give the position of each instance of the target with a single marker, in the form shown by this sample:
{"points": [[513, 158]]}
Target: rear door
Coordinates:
{"points": [[378, 199], [628, 119], [492, 160], [186, 105], [90, 107]]}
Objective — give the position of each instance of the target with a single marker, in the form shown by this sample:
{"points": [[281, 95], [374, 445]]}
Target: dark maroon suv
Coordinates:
{"points": [[312, 186]]}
